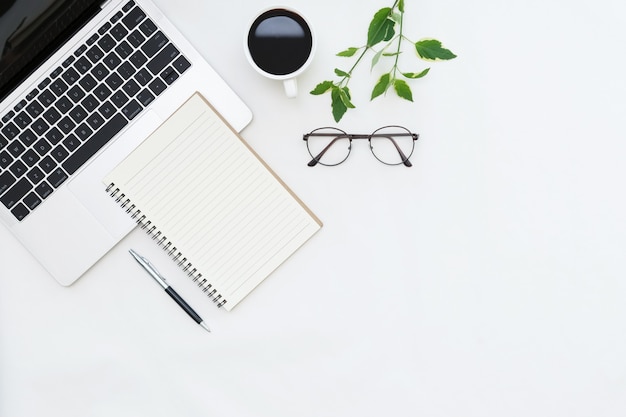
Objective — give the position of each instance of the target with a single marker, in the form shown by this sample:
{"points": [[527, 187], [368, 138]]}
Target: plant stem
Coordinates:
{"points": [[400, 37]]}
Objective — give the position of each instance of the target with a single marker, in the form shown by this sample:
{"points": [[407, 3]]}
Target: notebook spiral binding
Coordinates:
{"points": [[165, 244]]}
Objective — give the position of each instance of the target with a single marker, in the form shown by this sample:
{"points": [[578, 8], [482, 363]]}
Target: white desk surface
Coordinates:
{"points": [[488, 280]]}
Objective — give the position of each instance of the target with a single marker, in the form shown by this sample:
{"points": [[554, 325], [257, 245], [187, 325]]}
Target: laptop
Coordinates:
{"points": [[82, 83]]}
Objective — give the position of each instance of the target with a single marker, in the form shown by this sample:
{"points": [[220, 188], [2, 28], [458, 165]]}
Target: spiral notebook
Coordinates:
{"points": [[208, 199]]}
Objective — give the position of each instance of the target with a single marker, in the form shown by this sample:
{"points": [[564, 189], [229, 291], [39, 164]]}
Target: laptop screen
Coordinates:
{"points": [[31, 30]]}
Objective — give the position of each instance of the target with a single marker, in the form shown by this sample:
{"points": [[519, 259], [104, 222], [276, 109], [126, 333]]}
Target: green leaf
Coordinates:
{"points": [[403, 90], [414, 75], [341, 73], [431, 50], [381, 27], [348, 52], [401, 6], [339, 108], [322, 87], [381, 86], [376, 58], [344, 94]]}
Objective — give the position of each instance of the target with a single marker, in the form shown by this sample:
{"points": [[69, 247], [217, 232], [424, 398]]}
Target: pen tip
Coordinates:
{"points": [[205, 326]]}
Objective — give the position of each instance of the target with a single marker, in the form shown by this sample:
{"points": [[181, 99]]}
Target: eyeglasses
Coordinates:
{"points": [[391, 145]]}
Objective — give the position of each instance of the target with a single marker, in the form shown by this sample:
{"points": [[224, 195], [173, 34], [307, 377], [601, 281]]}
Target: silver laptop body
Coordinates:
{"points": [[74, 224]]}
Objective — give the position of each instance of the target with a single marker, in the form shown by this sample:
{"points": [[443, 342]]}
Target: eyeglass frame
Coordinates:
{"points": [[316, 159]]}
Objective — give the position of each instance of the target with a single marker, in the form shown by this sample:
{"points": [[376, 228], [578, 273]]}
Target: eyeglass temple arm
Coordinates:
{"points": [[405, 160], [317, 158]]}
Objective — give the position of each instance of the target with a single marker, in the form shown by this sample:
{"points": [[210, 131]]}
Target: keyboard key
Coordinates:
{"points": [[6, 180], [56, 72], [57, 177], [10, 131], [22, 120], [40, 126], [83, 132], [81, 50], [90, 103], [112, 61], [95, 121], [8, 116], [78, 114], [128, 6], [114, 81], [106, 43], [47, 164], [138, 59], [18, 168], [32, 201], [52, 116], [66, 125], [5, 159], [94, 54], [34, 109], [126, 70], [54, 136], [100, 71], [143, 77], [16, 149], [32, 94], [30, 158], [116, 17], [157, 86], [107, 109], [162, 59], [59, 154], [42, 146], [19, 106], [83, 65], [76, 93], [3, 141], [147, 27], [131, 88], [20, 212], [35, 175], [133, 18], [68, 61], [136, 38], [169, 75], [28, 137], [58, 87], [70, 76], [44, 83], [95, 143], [132, 109], [43, 190], [88, 82], [124, 49], [14, 194], [103, 29], [181, 64], [119, 99], [46, 98], [71, 143], [154, 44], [92, 39], [102, 92], [63, 105]]}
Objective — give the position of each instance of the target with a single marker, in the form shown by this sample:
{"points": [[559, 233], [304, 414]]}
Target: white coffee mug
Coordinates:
{"points": [[280, 45]]}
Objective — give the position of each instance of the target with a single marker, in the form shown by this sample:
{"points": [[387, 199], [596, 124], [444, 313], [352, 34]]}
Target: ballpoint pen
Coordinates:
{"points": [[169, 290]]}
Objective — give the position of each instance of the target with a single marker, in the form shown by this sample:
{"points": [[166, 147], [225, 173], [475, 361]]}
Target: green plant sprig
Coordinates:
{"points": [[382, 31]]}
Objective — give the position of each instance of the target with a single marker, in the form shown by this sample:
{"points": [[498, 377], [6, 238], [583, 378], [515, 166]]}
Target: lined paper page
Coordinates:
{"points": [[211, 196]]}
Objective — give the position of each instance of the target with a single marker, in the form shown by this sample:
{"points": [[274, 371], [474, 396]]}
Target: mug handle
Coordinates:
{"points": [[291, 87]]}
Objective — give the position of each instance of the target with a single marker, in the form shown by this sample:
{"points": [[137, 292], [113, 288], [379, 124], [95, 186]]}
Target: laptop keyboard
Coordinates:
{"points": [[82, 105]]}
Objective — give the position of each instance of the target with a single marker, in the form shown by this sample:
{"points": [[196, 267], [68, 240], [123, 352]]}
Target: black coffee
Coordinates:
{"points": [[280, 42]]}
